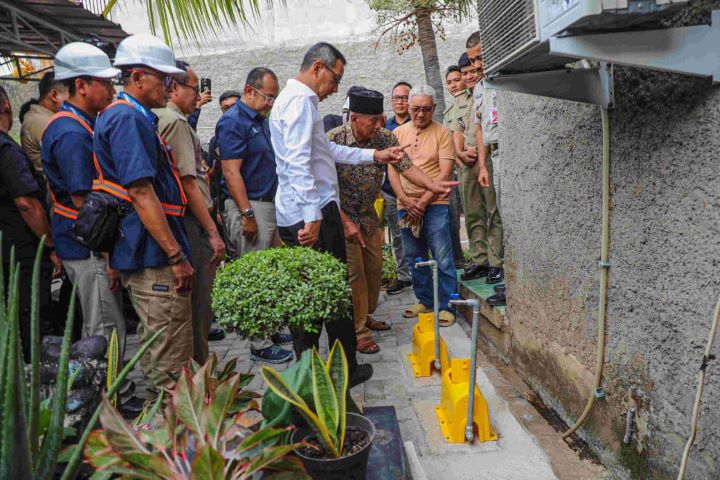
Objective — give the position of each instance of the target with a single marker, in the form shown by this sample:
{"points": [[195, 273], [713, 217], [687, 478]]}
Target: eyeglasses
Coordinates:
{"points": [[106, 82], [167, 80], [425, 109], [269, 99], [336, 76], [196, 88], [400, 98]]}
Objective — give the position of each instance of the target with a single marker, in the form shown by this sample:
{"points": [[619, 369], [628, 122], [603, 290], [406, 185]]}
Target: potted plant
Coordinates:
{"points": [[203, 434], [262, 292], [339, 442]]}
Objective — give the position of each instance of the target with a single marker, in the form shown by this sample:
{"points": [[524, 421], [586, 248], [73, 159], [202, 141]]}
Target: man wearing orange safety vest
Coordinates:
{"points": [[152, 249], [67, 156]]}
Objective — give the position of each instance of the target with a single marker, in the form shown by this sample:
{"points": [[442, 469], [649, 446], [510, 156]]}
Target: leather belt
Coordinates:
{"points": [[263, 199]]}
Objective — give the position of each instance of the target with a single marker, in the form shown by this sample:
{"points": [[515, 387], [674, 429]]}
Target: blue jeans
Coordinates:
{"points": [[435, 238]]}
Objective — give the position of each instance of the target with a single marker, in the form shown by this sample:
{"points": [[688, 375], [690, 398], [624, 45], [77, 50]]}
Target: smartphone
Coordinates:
{"points": [[205, 84]]}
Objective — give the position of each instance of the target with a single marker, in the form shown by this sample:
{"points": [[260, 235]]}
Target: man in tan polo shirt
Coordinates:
{"points": [[207, 248], [52, 95], [425, 216]]}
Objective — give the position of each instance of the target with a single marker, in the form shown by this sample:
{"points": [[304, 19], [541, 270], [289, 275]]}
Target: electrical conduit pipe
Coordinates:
{"points": [[604, 267]]}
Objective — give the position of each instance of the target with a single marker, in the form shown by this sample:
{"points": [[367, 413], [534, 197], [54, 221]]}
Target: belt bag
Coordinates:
{"points": [[97, 225]]}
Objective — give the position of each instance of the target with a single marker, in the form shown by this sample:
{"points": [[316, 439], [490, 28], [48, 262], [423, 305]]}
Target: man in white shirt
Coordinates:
{"points": [[307, 201]]}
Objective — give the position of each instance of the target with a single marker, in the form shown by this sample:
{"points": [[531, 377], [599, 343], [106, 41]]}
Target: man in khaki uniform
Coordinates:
{"points": [[482, 221], [206, 245], [455, 85], [52, 95]]}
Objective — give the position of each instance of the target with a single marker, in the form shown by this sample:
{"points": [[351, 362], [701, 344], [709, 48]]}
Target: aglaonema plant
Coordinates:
{"points": [[328, 417], [201, 436], [30, 445]]}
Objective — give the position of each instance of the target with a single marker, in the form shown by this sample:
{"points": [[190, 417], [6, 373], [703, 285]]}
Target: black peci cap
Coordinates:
{"points": [[368, 102]]}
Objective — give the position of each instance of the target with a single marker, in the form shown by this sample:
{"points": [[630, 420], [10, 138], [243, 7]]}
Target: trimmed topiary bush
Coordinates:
{"points": [[262, 292]]}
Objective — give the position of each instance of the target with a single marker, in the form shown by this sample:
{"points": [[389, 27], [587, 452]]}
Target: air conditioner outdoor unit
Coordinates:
{"points": [[515, 34]]}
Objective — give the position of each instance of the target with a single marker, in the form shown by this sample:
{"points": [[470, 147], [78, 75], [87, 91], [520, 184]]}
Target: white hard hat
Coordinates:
{"points": [[145, 49], [79, 58]]}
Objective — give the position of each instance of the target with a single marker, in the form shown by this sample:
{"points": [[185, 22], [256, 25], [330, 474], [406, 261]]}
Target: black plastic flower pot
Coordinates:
{"points": [[352, 467]]}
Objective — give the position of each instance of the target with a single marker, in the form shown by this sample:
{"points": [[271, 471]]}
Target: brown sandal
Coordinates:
{"points": [[376, 325], [367, 346]]}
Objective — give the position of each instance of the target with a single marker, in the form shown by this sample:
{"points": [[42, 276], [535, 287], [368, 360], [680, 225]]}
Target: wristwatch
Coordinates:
{"points": [[248, 213]]}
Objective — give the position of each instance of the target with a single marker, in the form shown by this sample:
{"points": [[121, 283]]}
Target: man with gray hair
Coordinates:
{"points": [[424, 217], [307, 201]]}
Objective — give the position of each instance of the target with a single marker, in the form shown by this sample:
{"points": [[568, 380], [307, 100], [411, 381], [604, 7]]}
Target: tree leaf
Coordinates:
{"points": [[208, 464], [281, 389], [326, 403], [188, 403], [337, 366], [218, 410]]}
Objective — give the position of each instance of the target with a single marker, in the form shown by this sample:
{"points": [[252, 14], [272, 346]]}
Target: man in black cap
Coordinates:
{"points": [[359, 186]]}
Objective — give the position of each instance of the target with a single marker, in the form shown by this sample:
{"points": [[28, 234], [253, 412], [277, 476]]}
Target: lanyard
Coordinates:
{"points": [[70, 108], [137, 106]]}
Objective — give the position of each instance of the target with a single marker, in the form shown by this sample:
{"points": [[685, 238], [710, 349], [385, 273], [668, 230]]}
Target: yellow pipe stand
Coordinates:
{"points": [[453, 409], [422, 357]]}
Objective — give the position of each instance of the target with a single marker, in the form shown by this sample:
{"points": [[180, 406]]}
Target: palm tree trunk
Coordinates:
{"points": [[428, 49]]}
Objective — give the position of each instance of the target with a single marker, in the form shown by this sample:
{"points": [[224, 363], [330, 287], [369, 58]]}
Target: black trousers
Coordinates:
{"points": [[332, 241]]}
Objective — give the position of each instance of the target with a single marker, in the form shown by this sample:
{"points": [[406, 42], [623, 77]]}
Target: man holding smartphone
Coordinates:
{"points": [[204, 96]]}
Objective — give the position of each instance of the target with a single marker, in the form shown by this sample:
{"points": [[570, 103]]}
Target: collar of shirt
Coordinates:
{"points": [[175, 109], [38, 109], [68, 107], [152, 118], [297, 86], [244, 108]]}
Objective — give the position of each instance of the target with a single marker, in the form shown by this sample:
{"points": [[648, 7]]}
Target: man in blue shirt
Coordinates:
{"points": [[152, 248], [67, 156], [248, 166]]}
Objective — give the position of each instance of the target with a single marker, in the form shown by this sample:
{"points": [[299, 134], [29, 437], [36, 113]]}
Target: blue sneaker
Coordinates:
{"points": [[282, 339], [272, 354]]}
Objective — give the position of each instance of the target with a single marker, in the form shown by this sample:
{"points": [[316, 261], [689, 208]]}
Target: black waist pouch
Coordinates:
{"points": [[97, 225]]}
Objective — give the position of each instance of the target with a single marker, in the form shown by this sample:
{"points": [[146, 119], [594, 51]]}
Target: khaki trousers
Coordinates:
{"points": [[482, 217], [102, 309], [267, 237], [202, 314], [158, 304], [365, 276]]}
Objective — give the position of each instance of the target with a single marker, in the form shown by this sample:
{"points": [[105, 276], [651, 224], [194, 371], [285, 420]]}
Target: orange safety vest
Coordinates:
{"points": [[105, 185], [58, 208]]}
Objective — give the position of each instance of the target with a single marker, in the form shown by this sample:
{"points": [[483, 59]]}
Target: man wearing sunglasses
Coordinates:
{"points": [[248, 166], [152, 252], [206, 245], [307, 201]]}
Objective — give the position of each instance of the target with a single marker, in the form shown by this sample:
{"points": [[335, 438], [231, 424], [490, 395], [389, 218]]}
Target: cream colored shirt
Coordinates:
{"points": [[34, 124], [429, 148], [185, 146]]}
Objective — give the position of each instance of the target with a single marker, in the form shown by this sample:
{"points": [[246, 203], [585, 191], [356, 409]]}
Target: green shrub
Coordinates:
{"points": [[389, 266], [262, 292]]}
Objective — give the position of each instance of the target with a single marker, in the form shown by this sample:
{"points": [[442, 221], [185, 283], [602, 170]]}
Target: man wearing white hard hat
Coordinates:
{"points": [[67, 156], [136, 166]]}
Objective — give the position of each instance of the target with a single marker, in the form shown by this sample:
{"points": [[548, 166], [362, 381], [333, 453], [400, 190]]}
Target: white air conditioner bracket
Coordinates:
{"points": [[591, 85], [685, 50]]}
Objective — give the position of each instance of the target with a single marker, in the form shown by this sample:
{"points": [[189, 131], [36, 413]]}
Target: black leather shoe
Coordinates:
{"points": [[398, 287], [361, 373], [497, 300], [499, 288], [216, 334], [475, 271], [495, 275], [132, 407]]}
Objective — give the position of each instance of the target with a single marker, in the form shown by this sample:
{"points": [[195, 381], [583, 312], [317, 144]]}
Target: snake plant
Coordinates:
{"points": [[30, 445], [327, 418]]}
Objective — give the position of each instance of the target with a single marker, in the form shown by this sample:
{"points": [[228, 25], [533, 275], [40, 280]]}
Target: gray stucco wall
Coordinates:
{"points": [[378, 69], [664, 250]]}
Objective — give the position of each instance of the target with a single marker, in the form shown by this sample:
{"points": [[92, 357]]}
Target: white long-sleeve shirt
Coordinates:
{"points": [[305, 158]]}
